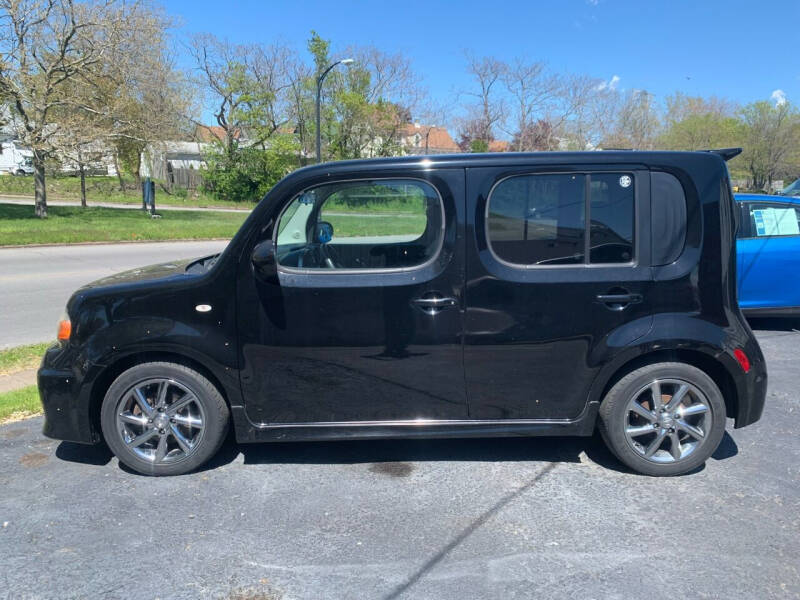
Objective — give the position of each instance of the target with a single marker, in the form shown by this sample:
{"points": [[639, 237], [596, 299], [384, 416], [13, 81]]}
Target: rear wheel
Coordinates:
{"points": [[663, 419], [163, 418]]}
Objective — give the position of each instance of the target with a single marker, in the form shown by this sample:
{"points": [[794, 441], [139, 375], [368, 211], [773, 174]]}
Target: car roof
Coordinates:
{"points": [[766, 198], [509, 158]]}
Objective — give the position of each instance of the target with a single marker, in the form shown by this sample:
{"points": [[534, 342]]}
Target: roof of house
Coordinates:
{"points": [[438, 137], [499, 146], [211, 133]]}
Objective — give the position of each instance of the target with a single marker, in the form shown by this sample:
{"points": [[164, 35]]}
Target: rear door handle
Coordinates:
{"points": [[432, 304], [618, 301]]}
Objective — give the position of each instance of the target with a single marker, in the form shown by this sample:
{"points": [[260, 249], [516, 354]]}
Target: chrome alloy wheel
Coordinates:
{"points": [[160, 420], [667, 420]]}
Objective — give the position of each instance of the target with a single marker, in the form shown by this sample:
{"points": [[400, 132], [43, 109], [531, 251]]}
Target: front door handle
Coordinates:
{"points": [[433, 303], [618, 302]]}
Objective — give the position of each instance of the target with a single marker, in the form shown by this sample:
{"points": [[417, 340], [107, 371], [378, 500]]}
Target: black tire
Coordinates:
{"points": [[214, 410], [614, 415]]}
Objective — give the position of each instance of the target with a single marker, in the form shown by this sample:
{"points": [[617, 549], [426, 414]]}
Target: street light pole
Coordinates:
{"points": [[320, 79]]}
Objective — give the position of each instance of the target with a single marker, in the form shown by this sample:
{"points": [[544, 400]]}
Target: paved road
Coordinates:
{"points": [[159, 207], [544, 518], [35, 283]]}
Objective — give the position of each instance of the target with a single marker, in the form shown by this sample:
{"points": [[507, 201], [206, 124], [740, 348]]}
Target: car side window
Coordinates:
{"points": [[355, 225], [542, 219], [773, 219]]}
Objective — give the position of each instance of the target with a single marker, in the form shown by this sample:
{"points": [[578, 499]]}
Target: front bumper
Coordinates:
{"points": [[65, 402]]}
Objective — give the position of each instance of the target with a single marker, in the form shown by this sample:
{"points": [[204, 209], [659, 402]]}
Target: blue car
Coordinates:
{"points": [[768, 255]]}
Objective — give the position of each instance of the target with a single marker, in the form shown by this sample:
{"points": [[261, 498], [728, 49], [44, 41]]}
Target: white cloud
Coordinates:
{"points": [[779, 96], [593, 2], [611, 84]]}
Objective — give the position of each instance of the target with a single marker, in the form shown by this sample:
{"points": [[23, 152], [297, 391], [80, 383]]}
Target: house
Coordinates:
{"points": [[174, 162], [416, 138]]}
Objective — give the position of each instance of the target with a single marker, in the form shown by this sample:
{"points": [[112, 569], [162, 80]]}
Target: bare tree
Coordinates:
{"points": [[534, 92], [44, 46], [488, 111], [771, 139]]}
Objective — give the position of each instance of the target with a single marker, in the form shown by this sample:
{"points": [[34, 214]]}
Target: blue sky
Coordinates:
{"points": [[741, 50]]}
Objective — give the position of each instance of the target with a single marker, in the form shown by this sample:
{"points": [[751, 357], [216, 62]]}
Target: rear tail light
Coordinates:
{"points": [[742, 359]]}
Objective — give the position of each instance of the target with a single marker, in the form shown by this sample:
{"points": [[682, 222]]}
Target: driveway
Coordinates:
{"points": [[501, 518], [36, 282]]}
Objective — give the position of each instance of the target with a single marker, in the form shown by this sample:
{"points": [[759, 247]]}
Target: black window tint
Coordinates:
{"points": [[611, 213], [538, 219], [668, 217], [773, 219], [381, 224]]}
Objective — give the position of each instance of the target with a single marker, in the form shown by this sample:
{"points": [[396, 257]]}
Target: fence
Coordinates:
{"points": [[183, 178]]}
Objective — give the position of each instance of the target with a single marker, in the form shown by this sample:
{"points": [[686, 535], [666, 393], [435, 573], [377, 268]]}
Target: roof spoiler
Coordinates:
{"points": [[725, 153]]}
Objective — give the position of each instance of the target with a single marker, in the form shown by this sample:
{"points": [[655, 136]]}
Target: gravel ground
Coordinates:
{"points": [[515, 518]]}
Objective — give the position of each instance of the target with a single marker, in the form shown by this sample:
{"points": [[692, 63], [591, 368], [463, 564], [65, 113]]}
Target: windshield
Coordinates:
{"points": [[792, 189]]}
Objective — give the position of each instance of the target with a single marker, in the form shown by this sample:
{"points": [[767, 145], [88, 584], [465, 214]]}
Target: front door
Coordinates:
{"points": [[365, 320], [558, 270]]}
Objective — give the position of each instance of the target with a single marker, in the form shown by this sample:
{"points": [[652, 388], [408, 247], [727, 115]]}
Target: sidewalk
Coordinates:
{"points": [[15, 381]]}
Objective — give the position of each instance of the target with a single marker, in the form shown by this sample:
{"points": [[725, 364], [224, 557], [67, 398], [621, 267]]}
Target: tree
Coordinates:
{"points": [[534, 92], [635, 122], [771, 136], [695, 123], [488, 111], [45, 46]]}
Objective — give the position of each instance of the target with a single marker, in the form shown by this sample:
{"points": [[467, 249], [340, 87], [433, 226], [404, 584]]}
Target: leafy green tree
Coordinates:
{"points": [[771, 138]]}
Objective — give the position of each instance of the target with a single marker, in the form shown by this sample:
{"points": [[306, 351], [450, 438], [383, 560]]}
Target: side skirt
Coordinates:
{"points": [[366, 430]]}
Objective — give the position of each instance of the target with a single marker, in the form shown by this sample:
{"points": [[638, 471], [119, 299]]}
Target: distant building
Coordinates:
{"points": [[426, 139]]}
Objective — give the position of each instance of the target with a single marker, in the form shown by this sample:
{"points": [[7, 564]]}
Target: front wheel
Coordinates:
{"points": [[663, 419], [163, 418]]}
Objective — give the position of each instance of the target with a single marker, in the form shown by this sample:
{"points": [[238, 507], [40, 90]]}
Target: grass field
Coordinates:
{"points": [[21, 358], [67, 224], [19, 404]]}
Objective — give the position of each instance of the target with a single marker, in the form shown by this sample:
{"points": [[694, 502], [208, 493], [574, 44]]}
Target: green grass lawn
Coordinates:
{"points": [[106, 189], [21, 358], [68, 224], [20, 403], [350, 226]]}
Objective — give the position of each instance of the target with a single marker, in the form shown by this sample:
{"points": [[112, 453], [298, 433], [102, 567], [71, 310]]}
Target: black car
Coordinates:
{"points": [[442, 296]]}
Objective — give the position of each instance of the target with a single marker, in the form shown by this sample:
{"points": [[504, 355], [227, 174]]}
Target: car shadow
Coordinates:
{"points": [[789, 324], [396, 457]]}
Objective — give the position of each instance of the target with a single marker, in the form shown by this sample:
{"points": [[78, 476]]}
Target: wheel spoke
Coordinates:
{"points": [[694, 409], [132, 419], [655, 390], [637, 431], [184, 444], [141, 439], [188, 421], [162, 394], [180, 404], [693, 431], [643, 412], [141, 400], [655, 444], [677, 397], [675, 445], [161, 449]]}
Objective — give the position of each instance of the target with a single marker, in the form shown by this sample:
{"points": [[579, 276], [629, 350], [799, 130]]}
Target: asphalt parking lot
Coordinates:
{"points": [[508, 518]]}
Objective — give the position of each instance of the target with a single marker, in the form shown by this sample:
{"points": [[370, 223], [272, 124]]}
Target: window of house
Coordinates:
{"points": [[380, 224], [542, 219]]}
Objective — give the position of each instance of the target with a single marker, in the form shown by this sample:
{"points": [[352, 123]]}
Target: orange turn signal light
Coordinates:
{"points": [[64, 329]]}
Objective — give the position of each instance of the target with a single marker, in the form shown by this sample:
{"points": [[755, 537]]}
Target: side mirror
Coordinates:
{"points": [[264, 262]]}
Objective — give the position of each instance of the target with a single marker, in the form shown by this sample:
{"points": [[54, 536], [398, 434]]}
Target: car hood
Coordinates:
{"points": [[162, 271]]}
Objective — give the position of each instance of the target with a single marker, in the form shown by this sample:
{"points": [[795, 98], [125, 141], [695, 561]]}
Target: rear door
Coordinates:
{"points": [[768, 255], [557, 272]]}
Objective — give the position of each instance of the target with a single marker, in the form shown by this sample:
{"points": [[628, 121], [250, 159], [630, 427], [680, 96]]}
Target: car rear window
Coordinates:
{"points": [[668, 217]]}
